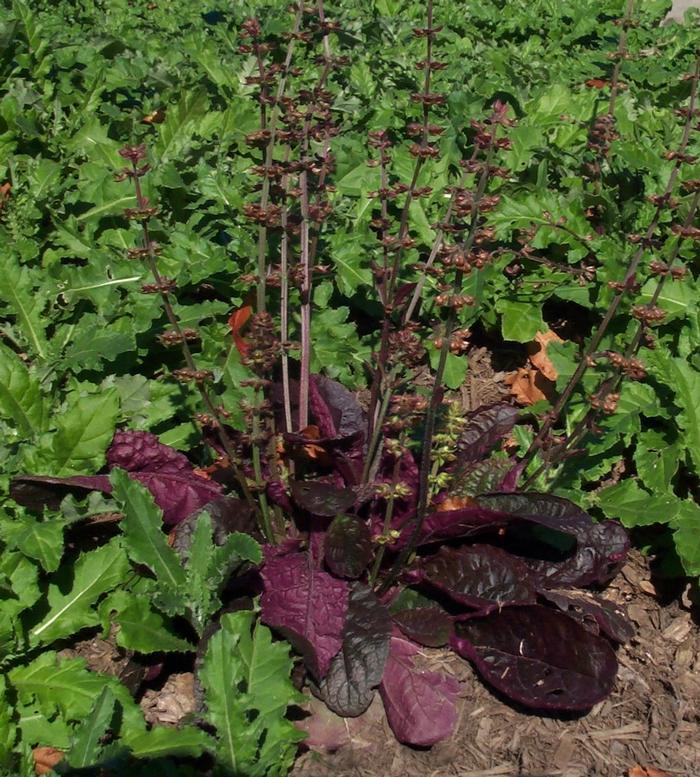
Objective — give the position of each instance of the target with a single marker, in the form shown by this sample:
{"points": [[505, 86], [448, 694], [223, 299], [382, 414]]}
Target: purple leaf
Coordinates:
{"points": [[593, 613], [167, 474], [601, 548], [480, 575], [358, 668], [486, 427], [320, 498], [538, 657], [335, 409], [306, 605], [510, 481], [348, 547], [420, 705], [142, 452]]}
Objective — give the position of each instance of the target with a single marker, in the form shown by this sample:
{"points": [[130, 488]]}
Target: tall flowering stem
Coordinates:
{"points": [[148, 252], [629, 280]]}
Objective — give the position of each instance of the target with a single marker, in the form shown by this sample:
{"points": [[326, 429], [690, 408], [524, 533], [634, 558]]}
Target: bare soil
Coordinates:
{"points": [[652, 719]]}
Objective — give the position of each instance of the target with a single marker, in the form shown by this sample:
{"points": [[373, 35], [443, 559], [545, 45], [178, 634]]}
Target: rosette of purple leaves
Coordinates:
{"points": [[497, 577]]}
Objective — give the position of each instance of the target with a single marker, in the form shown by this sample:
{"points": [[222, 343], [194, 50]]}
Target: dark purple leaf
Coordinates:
{"points": [[306, 605], [451, 524], [538, 657], [593, 612], [486, 427], [430, 626], [419, 704], [480, 575], [421, 619], [335, 409], [227, 515], [320, 498], [601, 548], [358, 668], [348, 546], [35, 492]]}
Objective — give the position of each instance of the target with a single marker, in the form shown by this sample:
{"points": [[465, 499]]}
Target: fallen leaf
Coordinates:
{"points": [[237, 320], [157, 117], [45, 758], [537, 353], [647, 771], [597, 83], [528, 385]]}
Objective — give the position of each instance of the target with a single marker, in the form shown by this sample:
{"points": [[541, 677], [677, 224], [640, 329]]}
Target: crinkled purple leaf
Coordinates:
{"points": [[142, 452], [419, 704], [485, 427], [357, 669], [306, 605], [601, 548], [593, 612], [479, 477], [335, 409], [178, 494], [479, 576], [319, 498], [348, 546], [538, 657]]}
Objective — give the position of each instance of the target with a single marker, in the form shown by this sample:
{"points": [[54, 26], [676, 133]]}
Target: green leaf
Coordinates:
{"points": [[68, 686], [21, 400], [686, 530], [82, 436], [94, 574], [455, 367], [26, 304], [656, 460], [142, 522], [520, 321], [179, 126], [95, 343], [208, 568], [85, 745], [8, 727], [246, 680], [141, 628], [40, 540], [685, 381], [633, 506], [159, 742]]}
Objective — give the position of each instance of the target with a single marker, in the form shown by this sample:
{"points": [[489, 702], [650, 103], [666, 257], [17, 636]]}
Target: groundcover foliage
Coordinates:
{"points": [[246, 253]]}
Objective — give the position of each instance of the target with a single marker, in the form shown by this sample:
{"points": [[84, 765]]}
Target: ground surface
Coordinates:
{"points": [[681, 6], [651, 719]]}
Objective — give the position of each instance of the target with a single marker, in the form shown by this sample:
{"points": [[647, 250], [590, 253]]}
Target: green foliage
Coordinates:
{"points": [[81, 356], [246, 679]]}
